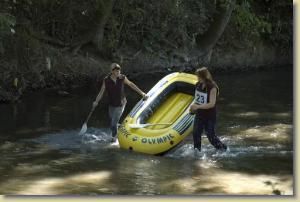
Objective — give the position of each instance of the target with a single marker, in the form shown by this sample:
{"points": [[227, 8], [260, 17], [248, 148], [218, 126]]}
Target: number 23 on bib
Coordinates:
{"points": [[200, 98]]}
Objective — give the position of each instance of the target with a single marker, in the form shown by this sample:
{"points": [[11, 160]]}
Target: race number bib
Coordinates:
{"points": [[200, 98]]}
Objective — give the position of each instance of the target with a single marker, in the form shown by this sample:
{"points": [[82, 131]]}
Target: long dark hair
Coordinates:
{"points": [[205, 76]]}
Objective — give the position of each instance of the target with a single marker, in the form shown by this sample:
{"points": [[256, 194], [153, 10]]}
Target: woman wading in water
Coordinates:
{"points": [[204, 107]]}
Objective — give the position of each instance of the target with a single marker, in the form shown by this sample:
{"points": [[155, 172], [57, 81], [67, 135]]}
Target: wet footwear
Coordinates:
{"points": [[223, 149], [113, 139], [197, 149]]}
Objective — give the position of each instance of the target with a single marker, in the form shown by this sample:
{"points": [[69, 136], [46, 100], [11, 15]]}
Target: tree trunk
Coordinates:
{"points": [[104, 11], [208, 40]]}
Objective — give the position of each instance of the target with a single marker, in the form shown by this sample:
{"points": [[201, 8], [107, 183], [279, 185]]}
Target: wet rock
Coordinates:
{"points": [[9, 97], [63, 93]]}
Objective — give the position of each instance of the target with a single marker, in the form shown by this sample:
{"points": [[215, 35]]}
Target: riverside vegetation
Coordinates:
{"points": [[63, 44]]}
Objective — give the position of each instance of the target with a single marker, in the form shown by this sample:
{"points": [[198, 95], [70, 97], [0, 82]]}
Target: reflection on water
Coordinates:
{"points": [[42, 153]]}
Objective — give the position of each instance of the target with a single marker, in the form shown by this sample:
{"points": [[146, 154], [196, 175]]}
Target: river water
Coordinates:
{"points": [[42, 153]]}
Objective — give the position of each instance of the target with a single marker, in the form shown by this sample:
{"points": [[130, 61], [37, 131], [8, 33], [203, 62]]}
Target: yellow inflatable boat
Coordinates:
{"points": [[162, 121]]}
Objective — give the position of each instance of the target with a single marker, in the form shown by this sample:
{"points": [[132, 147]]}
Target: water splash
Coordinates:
{"points": [[69, 139], [96, 135], [187, 151], [207, 152], [60, 140]]}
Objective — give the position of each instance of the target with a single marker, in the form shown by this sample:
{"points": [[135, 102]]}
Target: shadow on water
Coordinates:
{"points": [[42, 153], [66, 163]]}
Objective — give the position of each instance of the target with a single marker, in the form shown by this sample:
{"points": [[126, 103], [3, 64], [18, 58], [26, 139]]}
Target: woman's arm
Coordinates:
{"points": [[134, 87], [100, 95]]}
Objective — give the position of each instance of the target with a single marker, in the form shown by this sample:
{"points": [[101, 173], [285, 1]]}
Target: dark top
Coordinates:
{"points": [[115, 90], [206, 113]]}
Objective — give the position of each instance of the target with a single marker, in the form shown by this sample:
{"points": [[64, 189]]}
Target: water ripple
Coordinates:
{"points": [[187, 151]]}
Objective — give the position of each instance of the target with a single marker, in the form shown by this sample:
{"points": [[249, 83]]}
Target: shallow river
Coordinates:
{"points": [[42, 153]]}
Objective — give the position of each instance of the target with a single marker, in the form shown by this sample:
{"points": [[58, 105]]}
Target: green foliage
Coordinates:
{"points": [[65, 21], [269, 21], [31, 30], [150, 25], [280, 15], [7, 23], [248, 25], [155, 25]]}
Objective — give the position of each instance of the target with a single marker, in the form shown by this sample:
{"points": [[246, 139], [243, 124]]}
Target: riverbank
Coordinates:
{"points": [[74, 46], [70, 71]]}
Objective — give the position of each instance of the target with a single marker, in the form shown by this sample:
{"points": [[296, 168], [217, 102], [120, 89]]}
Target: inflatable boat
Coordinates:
{"points": [[162, 121]]}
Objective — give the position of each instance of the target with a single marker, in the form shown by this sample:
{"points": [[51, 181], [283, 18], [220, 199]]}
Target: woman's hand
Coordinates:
{"points": [[194, 108], [145, 96], [95, 103]]}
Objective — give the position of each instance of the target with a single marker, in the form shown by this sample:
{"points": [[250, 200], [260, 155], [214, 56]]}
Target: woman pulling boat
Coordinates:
{"points": [[204, 107], [114, 85]]}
